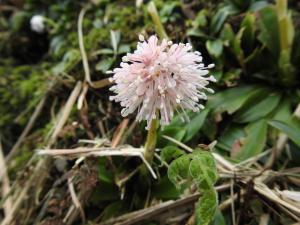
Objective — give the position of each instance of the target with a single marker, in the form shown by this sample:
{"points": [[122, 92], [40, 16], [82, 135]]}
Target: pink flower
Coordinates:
{"points": [[158, 78]]}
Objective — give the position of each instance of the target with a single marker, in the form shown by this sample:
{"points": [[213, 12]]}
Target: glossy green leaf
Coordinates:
{"points": [[229, 136], [105, 64], [237, 48], [233, 99], [269, 33], [221, 16], [214, 47], [227, 34], [258, 110], [291, 129], [248, 37], [115, 37], [194, 126], [257, 5], [255, 140]]}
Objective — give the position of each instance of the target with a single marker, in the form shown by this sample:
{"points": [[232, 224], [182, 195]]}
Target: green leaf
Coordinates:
{"points": [[227, 34], [115, 37], [104, 64], [257, 5], [123, 49], [269, 33], [219, 218], [203, 169], [195, 125], [200, 20], [229, 136], [291, 129], [206, 207], [237, 48], [220, 17], [248, 37], [214, 47], [283, 111], [258, 110], [104, 51], [170, 152], [70, 60], [233, 99], [255, 140], [178, 171]]}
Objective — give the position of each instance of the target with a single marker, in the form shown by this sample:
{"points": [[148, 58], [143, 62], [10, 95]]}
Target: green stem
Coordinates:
{"points": [[151, 141], [155, 17]]}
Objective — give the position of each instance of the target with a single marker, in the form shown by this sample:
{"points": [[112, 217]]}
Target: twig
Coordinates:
{"points": [[119, 133], [232, 202], [75, 199], [100, 152], [180, 144], [152, 212], [5, 184], [81, 46]]}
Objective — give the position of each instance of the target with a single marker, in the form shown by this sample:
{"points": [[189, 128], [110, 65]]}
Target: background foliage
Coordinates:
{"points": [[255, 45]]}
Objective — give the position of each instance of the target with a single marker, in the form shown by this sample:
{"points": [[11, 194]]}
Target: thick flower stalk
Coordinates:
{"points": [[160, 78]]}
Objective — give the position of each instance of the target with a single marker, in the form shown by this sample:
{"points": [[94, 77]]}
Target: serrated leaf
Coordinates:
{"points": [[258, 110], [255, 140], [170, 152], [203, 169], [206, 207], [292, 131], [178, 171]]}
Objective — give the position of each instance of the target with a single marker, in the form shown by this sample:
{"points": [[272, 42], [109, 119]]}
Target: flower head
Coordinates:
{"points": [[37, 23], [158, 78]]}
